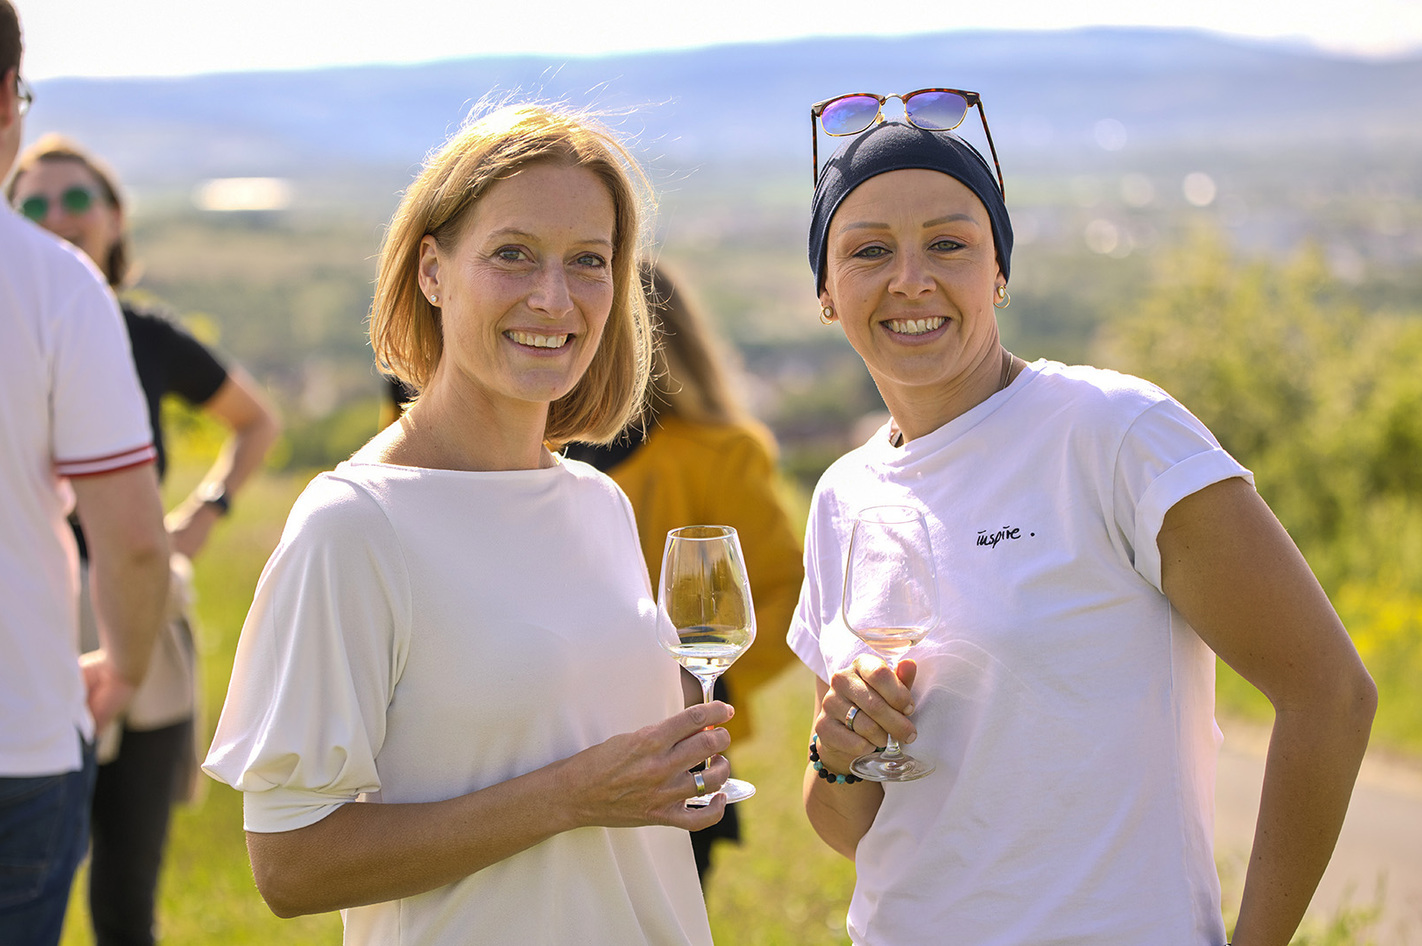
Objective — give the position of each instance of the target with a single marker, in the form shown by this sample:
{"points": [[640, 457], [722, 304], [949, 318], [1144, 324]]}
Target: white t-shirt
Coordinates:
{"points": [[70, 405], [421, 634], [1069, 708]]}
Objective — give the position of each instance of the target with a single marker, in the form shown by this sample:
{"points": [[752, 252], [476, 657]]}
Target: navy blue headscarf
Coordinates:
{"points": [[895, 146]]}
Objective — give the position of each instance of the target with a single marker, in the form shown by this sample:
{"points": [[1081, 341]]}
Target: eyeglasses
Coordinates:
{"points": [[74, 201], [929, 109], [26, 96]]}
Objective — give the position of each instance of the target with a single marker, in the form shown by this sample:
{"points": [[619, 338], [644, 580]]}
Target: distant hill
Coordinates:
{"points": [[746, 106]]}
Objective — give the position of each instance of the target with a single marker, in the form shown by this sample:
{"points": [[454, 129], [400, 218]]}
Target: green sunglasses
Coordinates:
{"points": [[74, 201]]}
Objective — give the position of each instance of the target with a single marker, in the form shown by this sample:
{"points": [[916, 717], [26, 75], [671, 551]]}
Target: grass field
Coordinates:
{"points": [[780, 886]]}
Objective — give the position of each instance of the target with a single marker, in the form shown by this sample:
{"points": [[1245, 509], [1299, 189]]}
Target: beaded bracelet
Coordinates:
{"points": [[824, 773]]}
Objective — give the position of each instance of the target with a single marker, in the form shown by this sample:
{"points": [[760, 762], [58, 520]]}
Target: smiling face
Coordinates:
{"points": [[911, 274], [525, 291], [95, 230]]}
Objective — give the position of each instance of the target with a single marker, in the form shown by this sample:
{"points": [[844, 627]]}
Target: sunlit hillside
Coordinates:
{"points": [[259, 198]]}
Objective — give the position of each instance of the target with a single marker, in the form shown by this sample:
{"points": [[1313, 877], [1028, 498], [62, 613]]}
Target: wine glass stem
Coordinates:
{"points": [[708, 687], [891, 748]]}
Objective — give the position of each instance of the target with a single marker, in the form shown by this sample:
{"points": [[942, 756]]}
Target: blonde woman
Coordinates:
{"points": [[449, 713]]}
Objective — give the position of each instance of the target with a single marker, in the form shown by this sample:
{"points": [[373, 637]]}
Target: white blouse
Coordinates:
{"points": [[421, 634]]}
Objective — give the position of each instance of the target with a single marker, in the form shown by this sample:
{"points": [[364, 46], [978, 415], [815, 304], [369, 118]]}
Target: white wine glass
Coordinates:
{"points": [[705, 618], [890, 602]]}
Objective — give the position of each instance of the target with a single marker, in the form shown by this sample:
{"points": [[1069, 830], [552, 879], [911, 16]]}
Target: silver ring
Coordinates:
{"points": [[849, 717], [700, 783]]}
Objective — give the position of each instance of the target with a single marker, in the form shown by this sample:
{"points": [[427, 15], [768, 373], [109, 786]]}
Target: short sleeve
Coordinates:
{"points": [[194, 373], [100, 418], [1166, 455], [317, 663], [808, 621]]}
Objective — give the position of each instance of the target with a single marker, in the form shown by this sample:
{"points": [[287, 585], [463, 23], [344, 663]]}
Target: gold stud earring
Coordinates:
{"points": [[827, 315], [1003, 299]]}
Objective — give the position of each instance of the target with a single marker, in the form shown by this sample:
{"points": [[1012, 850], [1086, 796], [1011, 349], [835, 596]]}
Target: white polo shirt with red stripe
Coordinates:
{"points": [[70, 405]]}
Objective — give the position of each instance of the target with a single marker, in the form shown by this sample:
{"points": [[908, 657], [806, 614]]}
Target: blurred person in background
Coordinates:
{"points": [[394, 396], [73, 434], [1095, 549], [147, 757], [695, 456], [449, 714]]}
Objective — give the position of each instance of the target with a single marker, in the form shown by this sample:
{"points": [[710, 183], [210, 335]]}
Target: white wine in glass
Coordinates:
{"points": [[890, 602], [705, 618]]}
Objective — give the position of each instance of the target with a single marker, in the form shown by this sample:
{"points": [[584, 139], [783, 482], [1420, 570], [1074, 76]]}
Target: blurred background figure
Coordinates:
{"points": [[696, 456], [72, 435], [394, 395], [148, 756]]}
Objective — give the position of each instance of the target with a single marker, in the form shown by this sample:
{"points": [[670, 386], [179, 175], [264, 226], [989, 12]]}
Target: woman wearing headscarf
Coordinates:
{"points": [[1095, 549]]}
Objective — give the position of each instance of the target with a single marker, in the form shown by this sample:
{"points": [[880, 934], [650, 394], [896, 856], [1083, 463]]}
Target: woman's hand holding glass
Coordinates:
{"points": [[885, 703], [641, 777], [890, 603]]}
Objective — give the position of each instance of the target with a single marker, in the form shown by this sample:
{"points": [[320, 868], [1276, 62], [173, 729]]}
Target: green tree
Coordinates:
{"points": [[1324, 403]]}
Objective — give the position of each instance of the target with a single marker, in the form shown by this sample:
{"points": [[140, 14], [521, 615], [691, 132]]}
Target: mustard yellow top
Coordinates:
{"points": [[688, 474]]}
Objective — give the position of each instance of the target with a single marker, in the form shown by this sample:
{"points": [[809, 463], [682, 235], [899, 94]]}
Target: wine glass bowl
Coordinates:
{"points": [[705, 618], [890, 603]]}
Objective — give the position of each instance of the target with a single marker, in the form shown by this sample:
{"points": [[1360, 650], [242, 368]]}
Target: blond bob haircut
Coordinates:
{"points": [[405, 327]]}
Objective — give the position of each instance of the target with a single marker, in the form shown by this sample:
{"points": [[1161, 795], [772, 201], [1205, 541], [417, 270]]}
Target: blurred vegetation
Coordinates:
{"points": [[1323, 401]]}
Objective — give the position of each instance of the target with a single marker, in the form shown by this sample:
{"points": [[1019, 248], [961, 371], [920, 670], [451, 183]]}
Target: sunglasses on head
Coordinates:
{"points": [[74, 201], [929, 109]]}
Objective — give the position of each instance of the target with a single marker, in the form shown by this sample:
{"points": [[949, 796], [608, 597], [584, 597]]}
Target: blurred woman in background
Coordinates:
{"points": [[147, 758], [695, 456]]}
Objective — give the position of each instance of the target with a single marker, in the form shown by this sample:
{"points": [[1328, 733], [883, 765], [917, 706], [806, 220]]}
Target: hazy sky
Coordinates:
{"points": [[180, 37]]}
